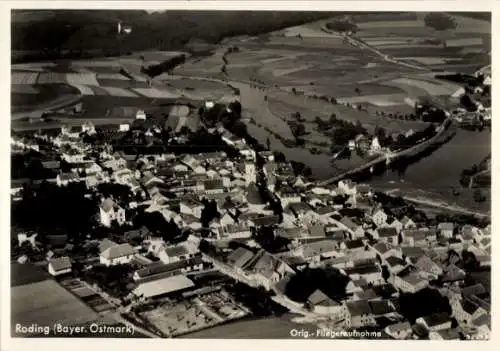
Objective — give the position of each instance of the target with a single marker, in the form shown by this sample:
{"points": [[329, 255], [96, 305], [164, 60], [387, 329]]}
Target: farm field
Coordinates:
{"points": [[46, 303]]}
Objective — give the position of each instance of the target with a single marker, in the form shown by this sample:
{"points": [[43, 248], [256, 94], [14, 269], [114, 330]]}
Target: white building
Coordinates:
{"points": [[59, 266], [109, 211], [117, 254], [140, 114]]}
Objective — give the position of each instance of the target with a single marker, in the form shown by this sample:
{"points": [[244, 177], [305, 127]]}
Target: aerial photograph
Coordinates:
{"points": [[250, 174]]}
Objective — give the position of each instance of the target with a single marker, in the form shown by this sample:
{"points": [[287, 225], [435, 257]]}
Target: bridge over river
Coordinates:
{"points": [[389, 156]]}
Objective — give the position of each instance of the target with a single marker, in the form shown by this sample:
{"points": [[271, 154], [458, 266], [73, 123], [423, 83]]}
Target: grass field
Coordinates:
{"points": [[46, 303]]}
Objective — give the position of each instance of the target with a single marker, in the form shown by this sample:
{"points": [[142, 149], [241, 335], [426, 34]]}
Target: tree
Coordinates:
{"points": [[440, 22], [357, 91], [479, 196]]}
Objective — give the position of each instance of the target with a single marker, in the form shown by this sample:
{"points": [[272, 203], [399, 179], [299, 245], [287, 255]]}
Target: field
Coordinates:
{"points": [[46, 303]]}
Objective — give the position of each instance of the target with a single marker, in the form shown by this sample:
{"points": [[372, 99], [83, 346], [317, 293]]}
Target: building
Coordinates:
{"points": [[435, 322], [140, 115], [379, 217], [117, 254], [59, 266], [319, 303], [446, 229], [109, 212], [64, 179], [359, 314], [177, 253], [386, 234], [164, 286], [399, 331]]}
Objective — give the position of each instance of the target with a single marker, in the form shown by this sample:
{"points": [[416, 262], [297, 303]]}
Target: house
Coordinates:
{"points": [[466, 311], [446, 229], [382, 308], [320, 303], [425, 264], [384, 250], [400, 331], [63, 179], [386, 234], [234, 231], [315, 251], [239, 258], [24, 237], [287, 196], [177, 253], [395, 264], [354, 226], [408, 223], [117, 254], [60, 266], [192, 207], [435, 322], [158, 270], [371, 273], [409, 281], [414, 237], [213, 186], [394, 223], [109, 211], [359, 314], [347, 187], [267, 270], [379, 217]]}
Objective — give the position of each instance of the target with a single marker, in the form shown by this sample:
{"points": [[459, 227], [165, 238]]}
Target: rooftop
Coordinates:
{"points": [[163, 286]]}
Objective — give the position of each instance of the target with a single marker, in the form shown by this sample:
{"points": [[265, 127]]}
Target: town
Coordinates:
{"points": [[180, 241]]}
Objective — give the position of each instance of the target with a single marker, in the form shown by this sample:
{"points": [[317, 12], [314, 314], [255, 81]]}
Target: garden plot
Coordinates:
{"points": [[28, 78], [156, 93], [173, 320], [112, 76], [390, 24], [95, 64], [421, 87], [381, 100], [114, 91], [23, 89], [82, 78], [472, 25], [465, 42], [83, 89], [52, 78]]}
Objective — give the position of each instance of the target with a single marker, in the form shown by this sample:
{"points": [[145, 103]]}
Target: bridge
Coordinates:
{"points": [[387, 157]]}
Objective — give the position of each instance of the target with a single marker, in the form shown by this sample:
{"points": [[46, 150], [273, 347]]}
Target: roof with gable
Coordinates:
{"points": [[118, 251], [317, 230], [176, 251], [416, 234], [253, 195], [387, 232], [446, 226], [266, 220], [354, 244], [106, 244], [61, 263], [240, 257], [399, 327], [382, 247], [319, 298], [469, 306], [359, 308], [381, 307], [436, 319], [395, 261], [476, 289], [289, 233]]}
